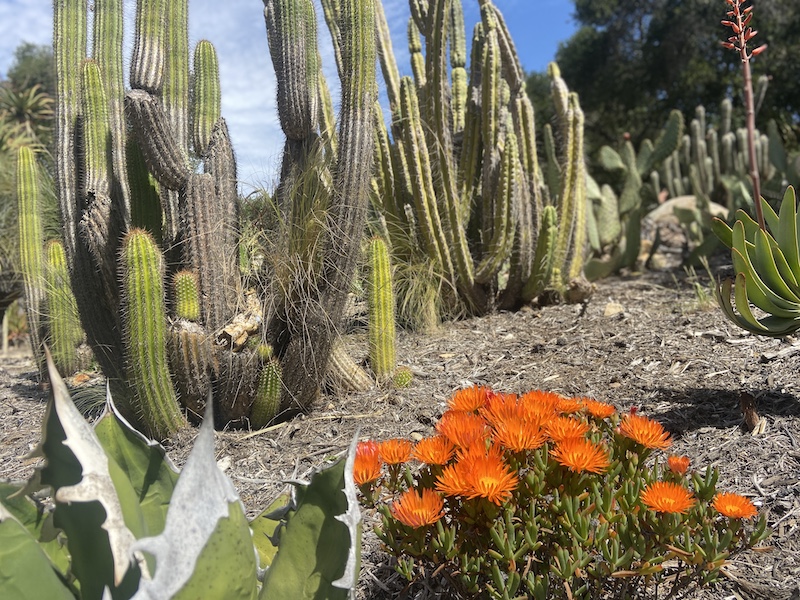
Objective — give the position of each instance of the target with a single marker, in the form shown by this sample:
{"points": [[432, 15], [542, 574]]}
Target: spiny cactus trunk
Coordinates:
{"points": [[317, 317]]}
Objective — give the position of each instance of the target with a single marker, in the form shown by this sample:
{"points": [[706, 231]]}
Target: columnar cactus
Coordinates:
{"points": [[137, 212], [459, 166], [380, 304]]}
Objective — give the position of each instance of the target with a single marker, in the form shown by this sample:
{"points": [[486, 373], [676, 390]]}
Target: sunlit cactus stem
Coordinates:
{"points": [[380, 301], [31, 248], [65, 334], [187, 296], [141, 266], [268, 390]]}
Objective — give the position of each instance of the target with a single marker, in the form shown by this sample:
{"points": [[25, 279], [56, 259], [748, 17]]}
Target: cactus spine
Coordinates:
{"points": [[187, 296], [380, 302], [268, 390]]}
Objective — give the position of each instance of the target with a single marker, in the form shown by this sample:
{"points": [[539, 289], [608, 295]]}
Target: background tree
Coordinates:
{"points": [[632, 61]]}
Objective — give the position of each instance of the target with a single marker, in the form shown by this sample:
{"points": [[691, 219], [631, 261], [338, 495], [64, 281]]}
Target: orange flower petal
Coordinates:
{"points": [[569, 405], [489, 476], [418, 509], [462, 428], [367, 463], [454, 480], [599, 410], [469, 399], [518, 434], [395, 451], [678, 464], [734, 506], [647, 432], [436, 450], [561, 428], [581, 455], [667, 497]]}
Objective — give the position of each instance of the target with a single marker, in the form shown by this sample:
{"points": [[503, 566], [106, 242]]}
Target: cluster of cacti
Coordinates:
{"points": [[615, 218], [126, 524], [458, 183], [148, 199]]}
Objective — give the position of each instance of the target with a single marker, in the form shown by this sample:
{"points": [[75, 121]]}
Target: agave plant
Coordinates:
{"points": [[767, 266]]}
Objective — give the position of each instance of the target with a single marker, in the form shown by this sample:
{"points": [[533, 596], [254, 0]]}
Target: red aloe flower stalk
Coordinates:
{"points": [[739, 21]]}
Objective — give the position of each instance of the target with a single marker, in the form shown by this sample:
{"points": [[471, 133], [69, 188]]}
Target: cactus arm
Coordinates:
{"points": [[344, 373], [207, 96], [69, 50], [145, 319], [380, 306], [31, 246], [415, 55], [388, 63], [187, 295], [107, 40], [149, 51], [458, 61], [542, 264], [65, 333], [164, 157], [268, 393]]}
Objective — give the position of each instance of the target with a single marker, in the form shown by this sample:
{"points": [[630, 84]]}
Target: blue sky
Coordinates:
{"points": [[236, 27]]}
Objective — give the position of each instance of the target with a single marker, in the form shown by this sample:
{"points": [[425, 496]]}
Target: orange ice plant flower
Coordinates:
{"points": [[678, 464], [489, 476], [469, 399], [395, 451], [569, 405], [647, 432], [561, 428], [462, 428], [367, 463], [599, 410], [418, 509], [436, 450], [454, 480], [667, 497], [501, 407], [518, 434], [581, 455], [734, 506]]}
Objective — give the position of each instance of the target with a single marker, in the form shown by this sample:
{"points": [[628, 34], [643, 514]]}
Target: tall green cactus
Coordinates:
{"points": [[132, 163], [459, 166], [65, 335], [380, 304], [31, 245]]}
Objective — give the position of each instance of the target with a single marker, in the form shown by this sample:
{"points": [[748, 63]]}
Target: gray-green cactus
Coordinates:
{"points": [[458, 180], [615, 233], [135, 167]]}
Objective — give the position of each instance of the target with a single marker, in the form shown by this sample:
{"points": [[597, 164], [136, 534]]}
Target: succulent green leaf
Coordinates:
{"points": [[205, 549], [266, 528], [144, 464], [668, 141], [326, 509], [786, 233], [95, 505], [38, 521], [723, 231], [610, 160], [764, 261], [26, 572]]}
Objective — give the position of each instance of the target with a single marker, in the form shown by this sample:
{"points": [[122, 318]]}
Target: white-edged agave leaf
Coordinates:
{"points": [[94, 502], [144, 462], [206, 549], [39, 522], [352, 519], [319, 547], [26, 572], [266, 528]]}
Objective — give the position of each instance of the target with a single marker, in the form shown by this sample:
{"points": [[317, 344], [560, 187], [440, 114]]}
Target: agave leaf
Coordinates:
{"points": [[38, 522], [144, 463], [769, 325], [26, 572], [94, 502], [722, 231], [764, 261], [266, 528], [749, 224], [760, 294], [770, 216], [205, 550], [318, 553], [786, 233]]}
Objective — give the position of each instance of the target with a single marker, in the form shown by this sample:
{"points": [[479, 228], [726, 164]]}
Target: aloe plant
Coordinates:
{"points": [[126, 163], [125, 523], [767, 267]]}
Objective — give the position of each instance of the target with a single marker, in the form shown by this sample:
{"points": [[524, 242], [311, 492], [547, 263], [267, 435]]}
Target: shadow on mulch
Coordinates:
{"points": [[689, 409]]}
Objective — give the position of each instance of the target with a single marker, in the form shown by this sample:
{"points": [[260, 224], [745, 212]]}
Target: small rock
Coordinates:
{"points": [[612, 309]]}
